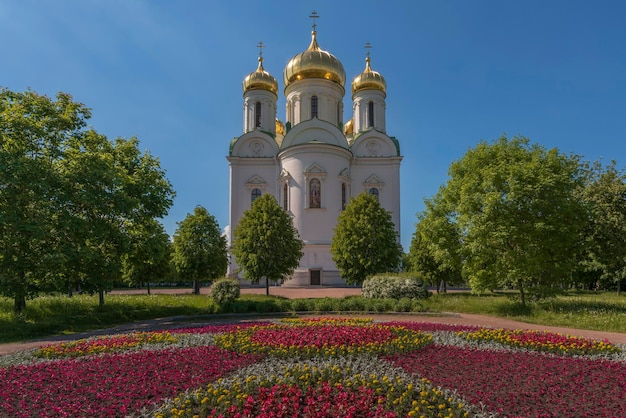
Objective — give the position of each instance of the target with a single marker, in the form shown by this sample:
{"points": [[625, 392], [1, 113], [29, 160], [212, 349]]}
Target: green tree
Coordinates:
{"points": [[265, 242], [436, 245], [606, 236], [365, 241], [199, 249], [149, 259], [33, 131], [520, 218], [67, 197]]}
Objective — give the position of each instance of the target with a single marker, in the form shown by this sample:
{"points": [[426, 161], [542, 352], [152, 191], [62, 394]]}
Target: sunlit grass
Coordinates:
{"points": [[600, 311], [54, 315]]}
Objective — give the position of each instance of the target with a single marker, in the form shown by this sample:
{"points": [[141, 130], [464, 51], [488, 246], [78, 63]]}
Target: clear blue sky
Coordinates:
{"points": [[458, 71]]}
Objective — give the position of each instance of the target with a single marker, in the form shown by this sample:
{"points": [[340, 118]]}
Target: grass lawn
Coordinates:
{"points": [[54, 315]]}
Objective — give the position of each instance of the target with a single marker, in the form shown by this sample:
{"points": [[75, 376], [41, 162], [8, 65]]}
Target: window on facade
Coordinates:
{"points": [[285, 200], [374, 191], [315, 193], [314, 107], [343, 196], [339, 121], [257, 114], [255, 193], [370, 114]]}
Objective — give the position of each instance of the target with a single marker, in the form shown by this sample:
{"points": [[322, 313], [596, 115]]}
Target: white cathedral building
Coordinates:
{"points": [[314, 162]]}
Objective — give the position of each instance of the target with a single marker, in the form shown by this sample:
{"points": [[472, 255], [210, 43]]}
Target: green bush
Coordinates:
{"points": [[394, 286], [301, 305], [225, 290], [353, 304]]}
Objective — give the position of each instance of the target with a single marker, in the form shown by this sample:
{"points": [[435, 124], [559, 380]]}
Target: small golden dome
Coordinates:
{"points": [[368, 80], [314, 63], [280, 127], [348, 128], [260, 80]]}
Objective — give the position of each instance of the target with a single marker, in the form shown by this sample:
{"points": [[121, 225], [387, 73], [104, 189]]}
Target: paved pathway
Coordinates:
{"points": [[303, 292]]}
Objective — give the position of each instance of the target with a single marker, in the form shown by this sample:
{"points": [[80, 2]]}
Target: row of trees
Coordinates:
{"points": [[80, 212], [73, 204], [516, 215], [267, 246]]}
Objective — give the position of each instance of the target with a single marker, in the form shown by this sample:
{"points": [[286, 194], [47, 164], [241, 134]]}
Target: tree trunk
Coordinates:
{"points": [[444, 286], [619, 286], [267, 286], [19, 304], [522, 296], [101, 297], [196, 287], [148, 285]]}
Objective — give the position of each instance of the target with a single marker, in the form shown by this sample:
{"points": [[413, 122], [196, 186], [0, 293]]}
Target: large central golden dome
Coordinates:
{"points": [[314, 63]]}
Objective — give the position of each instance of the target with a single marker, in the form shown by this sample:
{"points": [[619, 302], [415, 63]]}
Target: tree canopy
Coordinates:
{"points": [[365, 241], [199, 249], [515, 205], [67, 197], [265, 242], [605, 240]]}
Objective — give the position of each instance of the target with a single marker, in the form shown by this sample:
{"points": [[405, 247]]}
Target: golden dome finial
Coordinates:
{"points": [[368, 79], [260, 79]]}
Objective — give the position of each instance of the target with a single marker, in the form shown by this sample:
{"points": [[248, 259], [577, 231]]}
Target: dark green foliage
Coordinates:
{"points": [[605, 238], [365, 240], [510, 210], [199, 249], [266, 244], [69, 197], [395, 286], [225, 290]]}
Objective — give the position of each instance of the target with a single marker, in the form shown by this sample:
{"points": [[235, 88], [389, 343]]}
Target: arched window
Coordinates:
{"points": [[285, 199], [257, 114], [370, 114], [314, 107], [255, 194], [374, 191], [343, 196], [315, 193]]}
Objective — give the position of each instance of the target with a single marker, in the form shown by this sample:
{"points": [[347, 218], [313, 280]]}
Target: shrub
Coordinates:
{"points": [[394, 286], [301, 305], [225, 290]]}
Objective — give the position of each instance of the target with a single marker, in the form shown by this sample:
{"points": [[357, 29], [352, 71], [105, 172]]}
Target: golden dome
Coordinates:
{"points": [[280, 127], [314, 63], [348, 128], [260, 80], [368, 80]]}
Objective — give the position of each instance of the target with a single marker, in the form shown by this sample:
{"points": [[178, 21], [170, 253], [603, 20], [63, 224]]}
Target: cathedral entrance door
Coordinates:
{"points": [[316, 277]]}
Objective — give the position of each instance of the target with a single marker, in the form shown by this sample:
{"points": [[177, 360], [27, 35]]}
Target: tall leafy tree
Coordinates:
{"points": [[365, 241], [517, 208], [606, 236], [33, 130], [67, 197], [149, 259], [436, 245], [265, 242], [199, 249]]}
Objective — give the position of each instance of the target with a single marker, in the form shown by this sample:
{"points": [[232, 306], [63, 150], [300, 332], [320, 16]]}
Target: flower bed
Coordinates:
{"points": [[323, 367], [524, 384], [108, 344], [543, 341], [310, 339]]}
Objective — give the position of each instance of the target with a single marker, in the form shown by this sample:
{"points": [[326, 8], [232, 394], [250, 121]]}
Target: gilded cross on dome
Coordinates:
{"points": [[368, 46], [261, 45], [314, 16]]}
